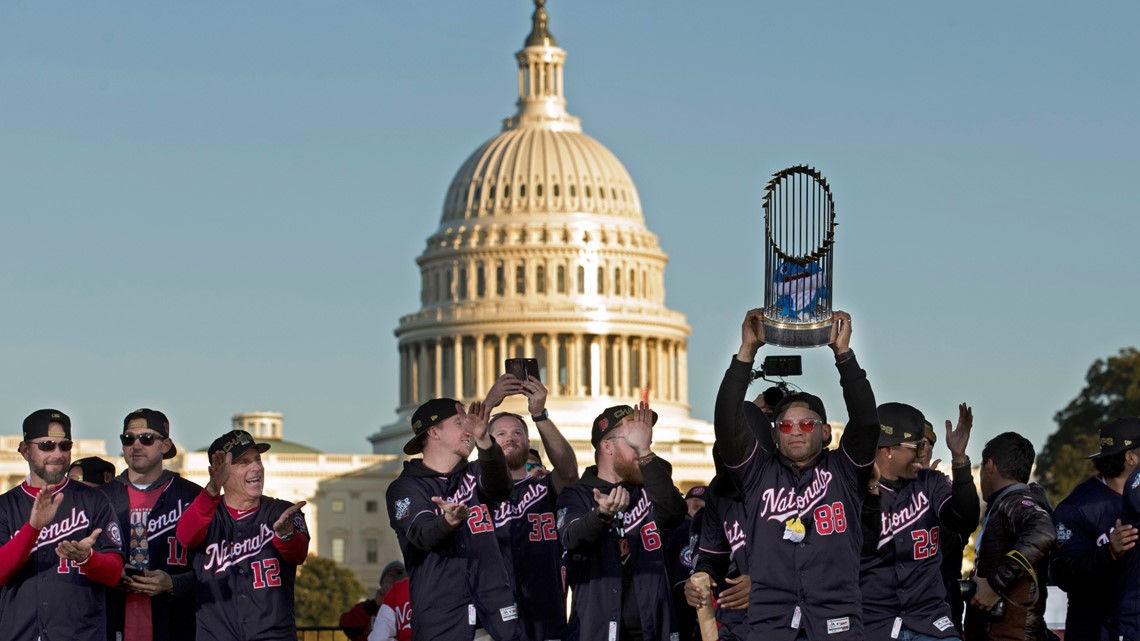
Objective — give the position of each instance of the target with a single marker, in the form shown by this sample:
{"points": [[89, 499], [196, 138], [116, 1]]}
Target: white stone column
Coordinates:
{"points": [[528, 345], [595, 365], [674, 388], [643, 364], [623, 371], [457, 365], [683, 371], [575, 355], [437, 348], [480, 357], [404, 388], [552, 365]]}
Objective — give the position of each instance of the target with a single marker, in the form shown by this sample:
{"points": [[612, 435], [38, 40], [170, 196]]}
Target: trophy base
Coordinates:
{"points": [[796, 336]]}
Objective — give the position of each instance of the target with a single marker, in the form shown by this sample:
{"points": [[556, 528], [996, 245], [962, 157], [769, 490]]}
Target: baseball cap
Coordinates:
{"points": [[396, 569], [696, 492], [930, 434], [1118, 436], [900, 423], [802, 399], [93, 469], [38, 424], [609, 419], [155, 420], [236, 442], [426, 416]]}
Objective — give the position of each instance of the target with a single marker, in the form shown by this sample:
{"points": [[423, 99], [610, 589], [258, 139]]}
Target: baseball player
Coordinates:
{"points": [[59, 543], [804, 500], [246, 547], [1126, 604], [720, 549], [157, 599], [440, 507], [903, 592], [524, 523], [91, 471], [1091, 540], [613, 524]]}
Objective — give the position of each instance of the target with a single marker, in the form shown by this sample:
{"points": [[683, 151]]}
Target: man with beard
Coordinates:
{"points": [[158, 601], [524, 523], [613, 524], [804, 501], [903, 593], [1091, 540], [60, 543], [246, 547], [91, 471], [439, 508]]}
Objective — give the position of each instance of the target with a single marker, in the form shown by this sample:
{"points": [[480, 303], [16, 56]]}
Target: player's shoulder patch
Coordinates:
{"points": [[1135, 480], [1028, 503], [686, 556], [114, 534], [402, 507], [560, 517]]}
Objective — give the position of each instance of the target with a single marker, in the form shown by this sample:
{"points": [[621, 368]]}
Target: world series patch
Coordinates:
{"points": [[402, 508]]}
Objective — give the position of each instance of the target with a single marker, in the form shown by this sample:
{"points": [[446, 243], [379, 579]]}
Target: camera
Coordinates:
{"points": [[779, 366], [967, 589]]}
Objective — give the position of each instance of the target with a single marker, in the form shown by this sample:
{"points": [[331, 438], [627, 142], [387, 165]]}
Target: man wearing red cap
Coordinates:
{"points": [[59, 543]]}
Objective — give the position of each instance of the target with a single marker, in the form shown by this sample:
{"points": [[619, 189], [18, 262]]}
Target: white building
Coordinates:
{"points": [[542, 251]]}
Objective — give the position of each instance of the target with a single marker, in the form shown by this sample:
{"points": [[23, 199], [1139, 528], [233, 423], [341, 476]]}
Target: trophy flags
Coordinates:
{"points": [[799, 225]]}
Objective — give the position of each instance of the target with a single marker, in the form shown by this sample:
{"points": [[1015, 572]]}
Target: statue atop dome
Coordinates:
{"points": [[539, 35]]}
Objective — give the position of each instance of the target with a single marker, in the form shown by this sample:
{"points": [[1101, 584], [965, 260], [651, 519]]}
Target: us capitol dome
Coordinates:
{"points": [[542, 251]]}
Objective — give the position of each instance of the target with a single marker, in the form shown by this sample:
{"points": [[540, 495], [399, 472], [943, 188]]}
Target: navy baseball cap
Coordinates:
{"points": [[155, 420], [801, 399], [609, 419], [1118, 436], [236, 443], [38, 425], [696, 492], [93, 469], [426, 416], [900, 423]]}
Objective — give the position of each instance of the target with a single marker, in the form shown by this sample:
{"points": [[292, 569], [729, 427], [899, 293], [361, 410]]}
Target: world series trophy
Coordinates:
{"points": [[799, 225]]}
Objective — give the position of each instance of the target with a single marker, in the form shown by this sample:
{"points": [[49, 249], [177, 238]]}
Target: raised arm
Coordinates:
{"points": [[668, 505], [558, 450], [861, 436], [735, 440], [962, 512], [494, 475]]}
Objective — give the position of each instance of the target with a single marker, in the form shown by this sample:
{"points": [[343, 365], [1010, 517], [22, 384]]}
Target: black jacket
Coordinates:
{"points": [[172, 614], [1082, 564], [594, 569], [1018, 519]]}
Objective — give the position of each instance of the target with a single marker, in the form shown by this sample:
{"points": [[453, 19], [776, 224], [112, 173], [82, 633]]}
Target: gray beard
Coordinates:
{"points": [[54, 478]]}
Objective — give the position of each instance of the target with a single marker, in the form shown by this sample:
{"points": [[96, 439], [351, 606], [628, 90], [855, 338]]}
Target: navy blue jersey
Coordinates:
{"points": [[50, 598], [458, 576], [1128, 591], [528, 538], [722, 534], [679, 565], [811, 583], [244, 584], [616, 570], [902, 580], [1081, 563], [172, 613]]}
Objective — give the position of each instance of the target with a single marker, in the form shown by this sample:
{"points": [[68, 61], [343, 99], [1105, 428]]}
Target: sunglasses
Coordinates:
{"points": [[807, 425], [531, 466], [146, 439], [49, 446], [911, 446]]}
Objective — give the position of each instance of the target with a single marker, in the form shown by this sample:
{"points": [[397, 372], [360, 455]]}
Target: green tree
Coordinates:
{"points": [[1112, 390], [323, 591]]}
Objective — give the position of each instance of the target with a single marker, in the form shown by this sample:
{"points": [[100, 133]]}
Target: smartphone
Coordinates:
{"points": [[131, 570], [520, 368]]}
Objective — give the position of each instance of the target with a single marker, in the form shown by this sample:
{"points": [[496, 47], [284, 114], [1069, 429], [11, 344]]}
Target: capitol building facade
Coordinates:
{"points": [[543, 252]]}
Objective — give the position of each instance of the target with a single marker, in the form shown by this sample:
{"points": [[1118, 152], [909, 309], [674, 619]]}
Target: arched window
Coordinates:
{"points": [[561, 277], [540, 279], [617, 281], [581, 279], [461, 292], [632, 283], [520, 279], [500, 279], [601, 280], [480, 280]]}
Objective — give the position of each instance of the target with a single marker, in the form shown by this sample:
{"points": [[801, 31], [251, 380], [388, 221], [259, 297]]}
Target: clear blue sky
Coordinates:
{"points": [[215, 207]]}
